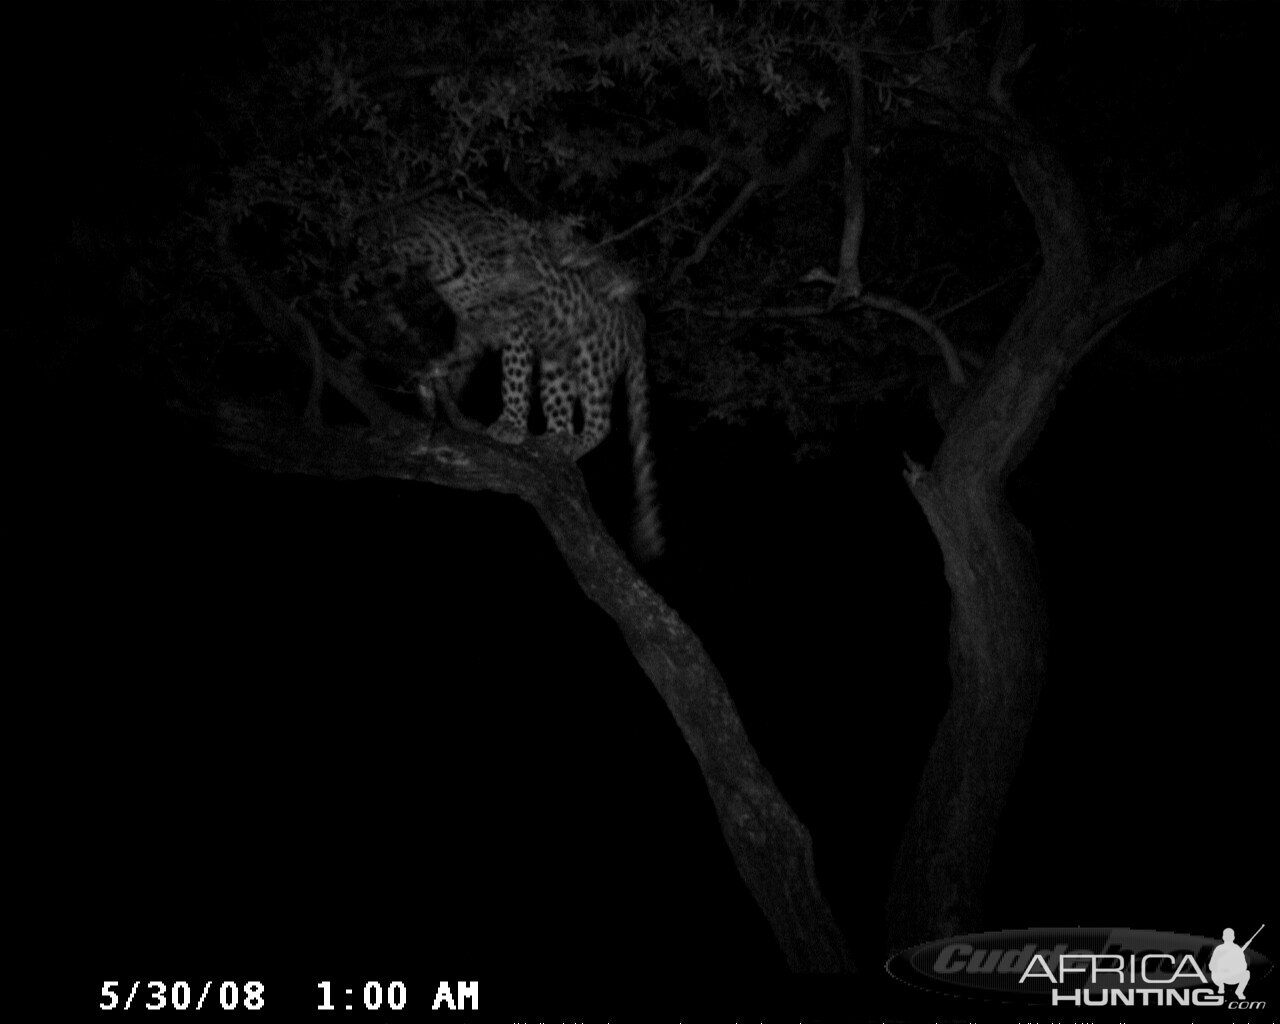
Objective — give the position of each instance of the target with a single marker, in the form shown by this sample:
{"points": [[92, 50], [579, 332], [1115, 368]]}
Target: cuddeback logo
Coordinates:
{"points": [[1088, 967]]}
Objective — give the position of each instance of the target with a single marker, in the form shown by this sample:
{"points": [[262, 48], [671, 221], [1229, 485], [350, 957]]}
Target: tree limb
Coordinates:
{"points": [[771, 847], [713, 232], [955, 371], [849, 276], [290, 327], [705, 175], [1133, 280], [761, 173]]}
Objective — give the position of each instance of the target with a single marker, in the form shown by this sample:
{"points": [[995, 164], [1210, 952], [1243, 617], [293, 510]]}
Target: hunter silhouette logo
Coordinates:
{"points": [[1227, 966]]}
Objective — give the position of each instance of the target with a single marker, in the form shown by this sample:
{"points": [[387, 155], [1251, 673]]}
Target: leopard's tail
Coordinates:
{"points": [[646, 529]]}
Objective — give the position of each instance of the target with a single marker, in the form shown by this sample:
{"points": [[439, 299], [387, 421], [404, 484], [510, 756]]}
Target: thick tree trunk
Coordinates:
{"points": [[998, 655], [998, 670]]}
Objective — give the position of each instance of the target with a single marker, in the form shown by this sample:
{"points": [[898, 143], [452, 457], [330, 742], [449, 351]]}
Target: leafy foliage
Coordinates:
{"points": [[643, 124], [600, 113]]}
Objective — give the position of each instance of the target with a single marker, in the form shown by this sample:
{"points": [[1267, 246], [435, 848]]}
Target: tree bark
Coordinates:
{"points": [[998, 654], [998, 657], [770, 846]]}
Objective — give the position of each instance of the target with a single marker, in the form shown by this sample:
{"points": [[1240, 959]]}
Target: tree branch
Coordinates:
{"points": [[801, 164], [849, 276], [771, 847], [290, 327], [891, 305], [713, 232], [703, 177], [1133, 280], [948, 351]]}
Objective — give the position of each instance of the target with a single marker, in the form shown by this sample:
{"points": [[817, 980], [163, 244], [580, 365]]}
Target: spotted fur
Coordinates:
{"points": [[535, 291]]}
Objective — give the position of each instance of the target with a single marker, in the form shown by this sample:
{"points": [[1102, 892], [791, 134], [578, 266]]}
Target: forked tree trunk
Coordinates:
{"points": [[998, 657]]}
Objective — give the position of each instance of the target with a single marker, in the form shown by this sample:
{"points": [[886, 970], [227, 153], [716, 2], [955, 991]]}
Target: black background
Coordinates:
{"points": [[355, 730]]}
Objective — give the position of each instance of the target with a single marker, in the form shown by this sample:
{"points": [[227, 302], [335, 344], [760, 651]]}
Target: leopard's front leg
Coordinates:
{"points": [[517, 376]]}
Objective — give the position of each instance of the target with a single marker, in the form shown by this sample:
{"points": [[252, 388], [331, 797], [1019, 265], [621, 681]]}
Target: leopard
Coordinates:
{"points": [[534, 291]]}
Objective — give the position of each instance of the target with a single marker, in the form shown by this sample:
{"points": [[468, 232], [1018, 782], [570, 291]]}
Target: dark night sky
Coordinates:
{"points": [[368, 726]]}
